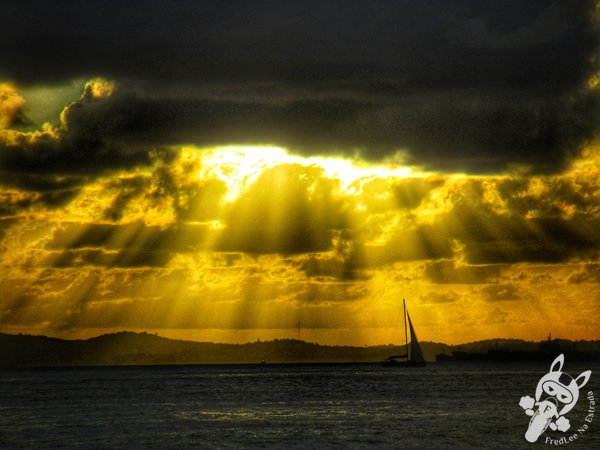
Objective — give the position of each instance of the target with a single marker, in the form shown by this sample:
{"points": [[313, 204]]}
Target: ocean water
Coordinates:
{"points": [[279, 406]]}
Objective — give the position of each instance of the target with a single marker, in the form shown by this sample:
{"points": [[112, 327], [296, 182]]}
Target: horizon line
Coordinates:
{"points": [[294, 339]]}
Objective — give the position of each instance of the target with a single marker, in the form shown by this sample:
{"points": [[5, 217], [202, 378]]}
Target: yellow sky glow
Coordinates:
{"points": [[234, 243]]}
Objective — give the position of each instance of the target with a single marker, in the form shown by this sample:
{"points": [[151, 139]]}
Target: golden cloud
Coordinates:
{"points": [[259, 238]]}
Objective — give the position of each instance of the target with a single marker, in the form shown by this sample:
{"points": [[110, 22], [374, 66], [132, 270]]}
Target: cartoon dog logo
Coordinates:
{"points": [[556, 394]]}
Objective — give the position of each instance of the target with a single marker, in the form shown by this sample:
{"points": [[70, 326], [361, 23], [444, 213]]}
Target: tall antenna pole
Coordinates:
{"points": [[405, 332], [298, 329]]}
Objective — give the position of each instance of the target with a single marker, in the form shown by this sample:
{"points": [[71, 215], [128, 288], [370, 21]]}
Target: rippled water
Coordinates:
{"points": [[305, 406]]}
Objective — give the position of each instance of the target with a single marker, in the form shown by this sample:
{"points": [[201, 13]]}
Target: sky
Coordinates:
{"points": [[228, 171]]}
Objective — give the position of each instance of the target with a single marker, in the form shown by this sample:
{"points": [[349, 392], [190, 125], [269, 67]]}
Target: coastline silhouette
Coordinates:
{"points": [[128, 348]]}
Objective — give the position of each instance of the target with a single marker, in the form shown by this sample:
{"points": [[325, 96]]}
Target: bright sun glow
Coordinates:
{"points": [[240, 166], [232, 243]]}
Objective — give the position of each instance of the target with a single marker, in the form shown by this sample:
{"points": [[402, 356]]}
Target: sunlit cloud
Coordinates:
{"points": [[229, 242]]}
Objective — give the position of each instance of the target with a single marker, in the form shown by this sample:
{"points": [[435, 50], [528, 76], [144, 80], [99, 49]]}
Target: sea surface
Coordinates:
{"points": [[450, 405]]}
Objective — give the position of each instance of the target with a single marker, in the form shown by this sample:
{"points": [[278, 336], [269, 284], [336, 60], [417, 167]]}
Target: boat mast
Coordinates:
{"points": [[405, 332]]}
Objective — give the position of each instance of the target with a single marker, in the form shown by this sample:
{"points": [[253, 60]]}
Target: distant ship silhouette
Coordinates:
{"points": [[415, 357]]}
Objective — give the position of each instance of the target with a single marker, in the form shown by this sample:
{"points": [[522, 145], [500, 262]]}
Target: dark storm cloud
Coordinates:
{"points": [[510, 236], [101, 258], [465, 85], [429, 43], [88, 142], [494, 221], [550, 241], [129, 245], [12, 203], [133, 236], [344, 266]]}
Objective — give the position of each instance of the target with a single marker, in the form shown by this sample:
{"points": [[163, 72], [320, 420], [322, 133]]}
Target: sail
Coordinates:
{"points": [[416, 354], [415, 349]]}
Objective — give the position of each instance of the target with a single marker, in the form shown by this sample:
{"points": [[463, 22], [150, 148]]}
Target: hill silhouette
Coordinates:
{"points": [[127, 348], [145, 348]]}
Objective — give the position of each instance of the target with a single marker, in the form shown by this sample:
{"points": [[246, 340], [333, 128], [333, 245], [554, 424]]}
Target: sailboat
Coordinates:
{"points": [[415, 357]]}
